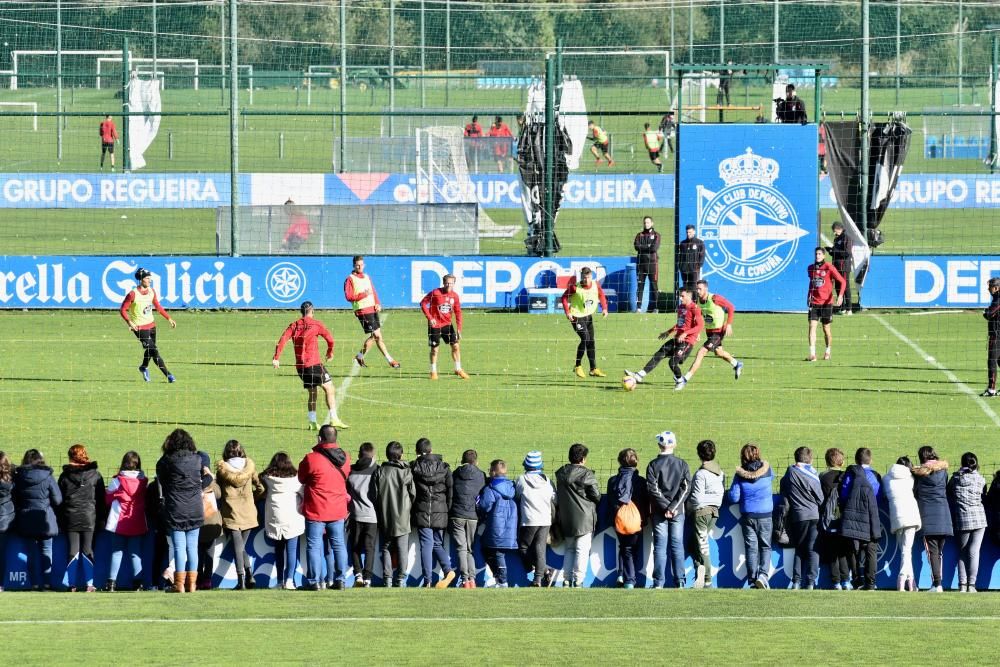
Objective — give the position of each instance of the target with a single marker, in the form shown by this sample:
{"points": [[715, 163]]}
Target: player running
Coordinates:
{"points": [[992, 315], [822, 275], [303, 333], [137, 311], [580, 301], [439, 306], [713, 308], [360, 292], [690, 324]]}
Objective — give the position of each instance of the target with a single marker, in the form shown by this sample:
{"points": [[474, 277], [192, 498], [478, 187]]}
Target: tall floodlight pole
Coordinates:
{"points": [[865, 110], [234, 133], [343, 82], [59, 98]]}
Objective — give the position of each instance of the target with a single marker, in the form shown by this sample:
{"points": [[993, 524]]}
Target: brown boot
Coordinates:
{"points": [[192, 581], [179, 580]]}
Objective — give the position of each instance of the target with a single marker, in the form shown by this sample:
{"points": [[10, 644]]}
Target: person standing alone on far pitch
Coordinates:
{"points": [[440, 306], [109, 135], [359, 290], [843, 260], [820, 300], [992, 316], [690, 257], [580, 301], [137, 311], [647, 264], [303, 333]]}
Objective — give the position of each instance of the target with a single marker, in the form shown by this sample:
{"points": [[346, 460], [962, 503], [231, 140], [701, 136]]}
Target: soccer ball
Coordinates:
{"points": [[628, 383], [666, 439]]}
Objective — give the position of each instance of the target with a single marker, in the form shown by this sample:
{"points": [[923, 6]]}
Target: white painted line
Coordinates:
{"points": [[964, 388], [355, 371], [938, 312], [496, 619]]}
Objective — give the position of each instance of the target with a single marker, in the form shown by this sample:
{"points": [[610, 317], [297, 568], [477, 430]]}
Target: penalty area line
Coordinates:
{"points": [[496, 619], [964, 388]]}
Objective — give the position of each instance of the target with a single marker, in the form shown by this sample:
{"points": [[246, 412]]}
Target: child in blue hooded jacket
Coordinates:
{"points": [[499, 510]]}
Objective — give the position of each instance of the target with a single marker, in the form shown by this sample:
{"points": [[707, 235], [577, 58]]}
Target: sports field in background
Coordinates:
{"points": [[70, 377]]}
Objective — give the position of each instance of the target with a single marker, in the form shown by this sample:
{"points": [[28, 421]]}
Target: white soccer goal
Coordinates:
{"points": [[19, 56], [139, 63], [33, 106], [443, 177]]}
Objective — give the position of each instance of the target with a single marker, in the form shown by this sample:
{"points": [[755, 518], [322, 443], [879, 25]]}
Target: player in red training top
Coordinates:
{"points": [[360, 292], [690, 324], [822, 275], [137, 311], [303, 333], [109, 135], [440, 306], [713, 308], [298, 229]]}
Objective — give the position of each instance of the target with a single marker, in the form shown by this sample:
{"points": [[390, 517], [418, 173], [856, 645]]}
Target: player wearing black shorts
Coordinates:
{"points": [[690, 324], [436, 334], [717, 311], [359, 290], [443, 309], [992, 315], [314, 376], [820, 300], [580, 302]]}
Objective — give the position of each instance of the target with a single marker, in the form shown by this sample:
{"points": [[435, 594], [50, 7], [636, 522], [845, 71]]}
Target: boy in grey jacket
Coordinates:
{"points": [[708, 487], [535, 499], [364, 519]]}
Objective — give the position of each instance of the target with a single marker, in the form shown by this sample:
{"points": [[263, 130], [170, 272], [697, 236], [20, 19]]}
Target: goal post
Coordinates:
{"points": [[33, 106], [138, 63]]}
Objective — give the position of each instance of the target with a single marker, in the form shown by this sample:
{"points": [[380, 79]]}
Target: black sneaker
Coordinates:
{"points": [[549, 578], [338, 585], [989, 393]]}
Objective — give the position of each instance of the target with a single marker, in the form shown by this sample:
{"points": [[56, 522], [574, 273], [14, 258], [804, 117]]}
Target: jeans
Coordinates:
{"points": [[803, 535], [497, 560], [668, 535], [576, 558], [969, 543], [398, 546], [904, 537], [463, 534], [628, 551], [314, 549], [241, 559], [757, 545], [364, 538], [185, 549], [119, 543], [40, 560], [431, 550], [288, 552], [531, 541]]}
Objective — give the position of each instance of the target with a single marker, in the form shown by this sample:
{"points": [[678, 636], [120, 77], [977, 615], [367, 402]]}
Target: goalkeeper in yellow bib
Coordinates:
{"points": [[601, 143], [137, 311], [580, 301], [360, 292], [654, 143]]}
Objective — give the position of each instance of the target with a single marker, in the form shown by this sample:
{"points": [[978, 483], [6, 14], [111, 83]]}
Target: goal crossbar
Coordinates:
{"points": [[31, 105]]}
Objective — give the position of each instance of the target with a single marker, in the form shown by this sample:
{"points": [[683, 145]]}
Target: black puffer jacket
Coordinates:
{"points": [[36, 495], [82, 490], [6, 505], [859, 518], [179, 476], [468, 483], [432, 477]]}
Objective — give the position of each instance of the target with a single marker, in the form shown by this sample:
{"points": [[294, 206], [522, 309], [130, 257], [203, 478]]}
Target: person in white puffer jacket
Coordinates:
{"points": [[904, 517], [535, 497], [283, 520]]}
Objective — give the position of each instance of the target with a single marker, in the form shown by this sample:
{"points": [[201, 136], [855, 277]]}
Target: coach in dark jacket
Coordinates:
{"points": [[841, 254], [36, 496], [859, 522], [433, 481], [647, 263], [690, 257], [802, 494]]}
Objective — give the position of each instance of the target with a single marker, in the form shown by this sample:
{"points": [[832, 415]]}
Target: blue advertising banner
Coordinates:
{"points": [[726, 546], [750, 192], [284, 282], [922, 281]]}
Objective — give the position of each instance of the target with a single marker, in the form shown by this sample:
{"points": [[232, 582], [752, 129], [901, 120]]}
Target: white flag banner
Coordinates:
{"points": [[144, 96]]}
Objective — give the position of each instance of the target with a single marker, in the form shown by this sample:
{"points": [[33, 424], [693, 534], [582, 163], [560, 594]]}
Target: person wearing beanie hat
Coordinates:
{"points": [[137, 311], [535, 497], [668, 481]]}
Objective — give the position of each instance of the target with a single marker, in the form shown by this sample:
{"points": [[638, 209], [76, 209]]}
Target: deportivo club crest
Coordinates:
{"points": [[750, 229]]}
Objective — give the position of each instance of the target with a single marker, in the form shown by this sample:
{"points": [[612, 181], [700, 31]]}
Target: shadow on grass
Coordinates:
{"points": [[12, 379], [861, 390], [191, 423]]}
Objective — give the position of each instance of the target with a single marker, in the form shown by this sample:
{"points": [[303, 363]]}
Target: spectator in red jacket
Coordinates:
{"points": [[323, 474]]}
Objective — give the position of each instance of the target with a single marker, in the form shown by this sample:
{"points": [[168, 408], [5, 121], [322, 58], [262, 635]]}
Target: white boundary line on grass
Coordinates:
{"points": [[964, 388], [496, 619], [355, 371]]}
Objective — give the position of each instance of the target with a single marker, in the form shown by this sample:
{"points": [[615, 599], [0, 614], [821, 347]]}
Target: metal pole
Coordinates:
{"points": [[222, 53], [961, 34], [126, 66], [994, 73], [423, 58], [156, 76], [865, 106], [234, 135], [447, 49], [343, 82], [899, 17], [392, 65], [550, 162], [678, 123], [775, 57], [673, 47], [722, 31], [691, 31], [59, 100]]}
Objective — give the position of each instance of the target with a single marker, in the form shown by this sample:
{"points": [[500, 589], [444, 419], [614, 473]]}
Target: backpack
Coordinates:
{"points": [[628, 521], [829, 511]]}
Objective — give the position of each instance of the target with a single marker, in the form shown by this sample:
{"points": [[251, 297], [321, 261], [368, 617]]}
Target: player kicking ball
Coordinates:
{"points": [[714, 309], [579, 302], [137, 311], [441, 307], [303, 333], [690, 324], [360, 292]]}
